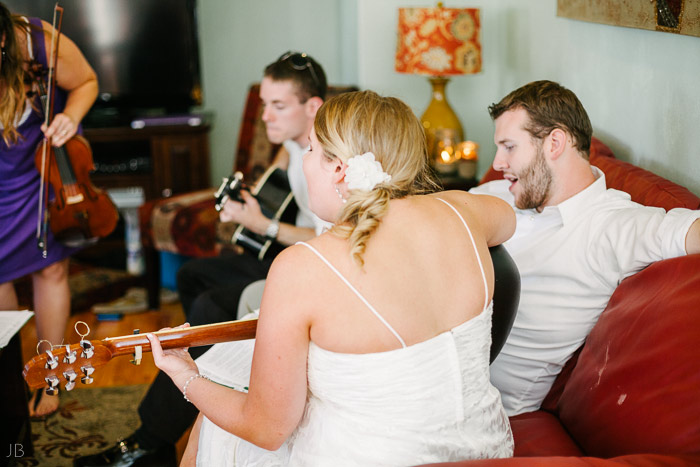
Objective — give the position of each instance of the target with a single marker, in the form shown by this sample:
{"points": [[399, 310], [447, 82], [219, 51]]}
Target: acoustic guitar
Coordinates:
{"points": [[66, 363], [276, 200]]}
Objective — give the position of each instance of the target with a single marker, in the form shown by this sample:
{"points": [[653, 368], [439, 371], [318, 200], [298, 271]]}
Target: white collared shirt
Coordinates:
{"points": [[571, 257], [297, 182]]}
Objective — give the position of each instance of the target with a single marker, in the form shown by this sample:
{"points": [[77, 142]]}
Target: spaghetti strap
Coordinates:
{"points": [[356, 292], [476, 252]]}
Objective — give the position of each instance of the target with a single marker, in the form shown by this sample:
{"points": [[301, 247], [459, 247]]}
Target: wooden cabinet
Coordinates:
{"points": [[164, 160]]}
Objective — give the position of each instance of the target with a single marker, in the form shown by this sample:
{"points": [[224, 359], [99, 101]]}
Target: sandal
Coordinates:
{"points": [[34, 402]]}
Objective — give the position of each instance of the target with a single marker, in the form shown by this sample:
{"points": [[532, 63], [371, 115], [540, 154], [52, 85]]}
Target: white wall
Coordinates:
{"points": [[238, 38], [641, 88]]}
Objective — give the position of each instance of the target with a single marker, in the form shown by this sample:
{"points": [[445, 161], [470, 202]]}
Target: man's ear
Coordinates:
{"points": [[312, 106], [556, 142]]}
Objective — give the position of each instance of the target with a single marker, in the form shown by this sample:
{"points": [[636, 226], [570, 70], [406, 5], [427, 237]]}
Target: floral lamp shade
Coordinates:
{"points": [[438, 41]]}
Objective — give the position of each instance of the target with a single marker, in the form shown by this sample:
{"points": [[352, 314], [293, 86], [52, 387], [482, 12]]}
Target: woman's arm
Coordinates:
{"points": [[75, 75], [494, 216], [189, 457], [273, 407]]}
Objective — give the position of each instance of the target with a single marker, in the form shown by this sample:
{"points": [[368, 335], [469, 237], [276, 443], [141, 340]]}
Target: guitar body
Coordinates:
{"points": [[276, 200]]}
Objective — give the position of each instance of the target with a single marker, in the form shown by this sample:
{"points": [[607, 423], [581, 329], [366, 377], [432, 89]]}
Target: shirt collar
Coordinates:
{"points": [[293, 147], [572, 207]]}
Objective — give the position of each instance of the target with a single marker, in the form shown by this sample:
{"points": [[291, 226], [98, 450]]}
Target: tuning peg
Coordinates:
{"points": [[87, 371], [70, 356], [52, 381], [70, 377], [51, 361], [88, 349]]}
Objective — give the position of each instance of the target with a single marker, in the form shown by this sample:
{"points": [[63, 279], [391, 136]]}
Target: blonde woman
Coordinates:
{"points": [[373, 340], [25, 44]]}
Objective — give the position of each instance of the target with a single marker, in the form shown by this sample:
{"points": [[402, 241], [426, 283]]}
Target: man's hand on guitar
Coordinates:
{"points": [[177, 363], [248, 214]]}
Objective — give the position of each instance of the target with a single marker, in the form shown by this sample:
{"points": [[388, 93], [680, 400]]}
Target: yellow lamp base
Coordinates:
{"points": [[439, 119]]}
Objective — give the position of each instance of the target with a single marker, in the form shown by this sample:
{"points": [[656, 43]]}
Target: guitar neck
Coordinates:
{"points": [[194, 336]]}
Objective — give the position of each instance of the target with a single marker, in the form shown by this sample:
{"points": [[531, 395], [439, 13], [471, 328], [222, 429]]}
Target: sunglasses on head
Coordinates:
{"points": [[300, 62]]}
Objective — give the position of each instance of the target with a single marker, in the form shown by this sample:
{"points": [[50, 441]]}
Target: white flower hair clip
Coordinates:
{"points": [[364, 172]]}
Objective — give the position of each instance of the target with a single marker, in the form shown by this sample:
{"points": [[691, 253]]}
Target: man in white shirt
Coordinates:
{"points": [[575, 239], [292, 90]]}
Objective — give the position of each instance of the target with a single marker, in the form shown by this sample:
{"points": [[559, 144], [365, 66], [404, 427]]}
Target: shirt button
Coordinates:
{"points": [[532, 218]]}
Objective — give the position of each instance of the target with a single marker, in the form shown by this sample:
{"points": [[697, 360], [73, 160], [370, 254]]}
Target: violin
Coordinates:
{"points": [[80, 213]]}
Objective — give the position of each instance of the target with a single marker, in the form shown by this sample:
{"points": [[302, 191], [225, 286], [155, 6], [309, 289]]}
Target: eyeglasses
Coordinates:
{"points": [[300, 62]]}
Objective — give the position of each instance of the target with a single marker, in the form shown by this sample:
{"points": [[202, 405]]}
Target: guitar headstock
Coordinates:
{"points": [[64, 365], [230, 189]]}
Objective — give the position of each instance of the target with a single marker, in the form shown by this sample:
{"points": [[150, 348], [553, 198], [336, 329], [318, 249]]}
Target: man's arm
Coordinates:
{"points": [[290, 234], [692, 239]]}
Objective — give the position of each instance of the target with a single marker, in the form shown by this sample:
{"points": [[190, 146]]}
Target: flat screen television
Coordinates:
{"points": [[145, 53]]}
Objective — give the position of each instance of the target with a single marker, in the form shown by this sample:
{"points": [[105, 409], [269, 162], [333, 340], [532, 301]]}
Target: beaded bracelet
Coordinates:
{"points": [[187, 383]]}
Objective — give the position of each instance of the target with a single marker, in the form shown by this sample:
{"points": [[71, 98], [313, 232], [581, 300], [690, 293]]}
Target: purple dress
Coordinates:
{"points": [[19, 192]]}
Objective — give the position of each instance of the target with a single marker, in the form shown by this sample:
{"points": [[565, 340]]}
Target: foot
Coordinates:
{"points": [[127, 453], [41, 405]]}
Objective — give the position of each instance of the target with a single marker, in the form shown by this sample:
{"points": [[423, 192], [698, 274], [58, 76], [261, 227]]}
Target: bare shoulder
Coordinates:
{"points": [[291, 264], [460, 197], [494, 215]]}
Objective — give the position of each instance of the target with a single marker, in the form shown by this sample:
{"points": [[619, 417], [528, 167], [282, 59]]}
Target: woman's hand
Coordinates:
{"points": [[62, 129], [176, 363]]}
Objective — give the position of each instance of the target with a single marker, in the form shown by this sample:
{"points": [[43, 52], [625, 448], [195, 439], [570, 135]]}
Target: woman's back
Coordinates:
{"points": [[421, 274]]}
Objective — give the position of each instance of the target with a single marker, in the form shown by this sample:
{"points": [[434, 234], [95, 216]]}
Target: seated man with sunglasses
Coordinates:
{"points": [[292, 90]]}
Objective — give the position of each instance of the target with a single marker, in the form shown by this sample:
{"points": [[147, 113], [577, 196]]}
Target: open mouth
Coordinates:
{"points": [[512, 179]]}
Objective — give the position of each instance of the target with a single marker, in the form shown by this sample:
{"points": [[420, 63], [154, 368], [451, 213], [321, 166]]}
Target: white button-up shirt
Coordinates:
{"points": [[571, 257]]}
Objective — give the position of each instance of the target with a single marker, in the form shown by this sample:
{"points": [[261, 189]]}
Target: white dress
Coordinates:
{"points": [[428, 402]]}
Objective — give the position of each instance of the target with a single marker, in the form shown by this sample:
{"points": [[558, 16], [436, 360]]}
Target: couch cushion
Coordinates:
{"points": [[645, 187], [541, 434], [636, 386]]}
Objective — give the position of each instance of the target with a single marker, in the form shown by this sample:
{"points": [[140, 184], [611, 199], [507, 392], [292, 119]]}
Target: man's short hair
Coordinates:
{"points": [[305, 72], [549, 105]]}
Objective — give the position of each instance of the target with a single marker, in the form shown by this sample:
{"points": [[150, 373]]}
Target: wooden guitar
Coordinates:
{"points": [[64, 364], [276, 202]]}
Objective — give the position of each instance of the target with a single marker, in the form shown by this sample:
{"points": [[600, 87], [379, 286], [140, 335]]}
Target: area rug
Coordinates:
{"points": [[88, 421], [88, 285]]}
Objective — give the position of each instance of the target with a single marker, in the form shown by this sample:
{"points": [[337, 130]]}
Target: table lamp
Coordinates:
{"points": [[439, 42]]}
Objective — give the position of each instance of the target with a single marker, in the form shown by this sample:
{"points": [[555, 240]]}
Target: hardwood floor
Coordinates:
{"points": [[119, 371]]}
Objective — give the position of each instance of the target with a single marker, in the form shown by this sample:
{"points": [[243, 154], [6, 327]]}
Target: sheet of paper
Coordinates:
{"points": [[229, 363], [10, 323]]}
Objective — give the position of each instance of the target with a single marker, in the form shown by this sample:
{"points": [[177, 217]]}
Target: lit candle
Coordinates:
{"points": [[467, 153]]}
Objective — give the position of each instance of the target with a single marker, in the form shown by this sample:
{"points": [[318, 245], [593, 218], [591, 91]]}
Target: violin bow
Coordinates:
{"points": [[48, 101]]}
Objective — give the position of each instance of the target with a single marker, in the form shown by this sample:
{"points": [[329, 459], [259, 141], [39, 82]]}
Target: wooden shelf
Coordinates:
{"points": [[164, 160]]}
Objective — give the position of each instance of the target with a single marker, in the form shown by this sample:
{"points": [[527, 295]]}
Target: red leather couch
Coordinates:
{"points": [[631, 395]]}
